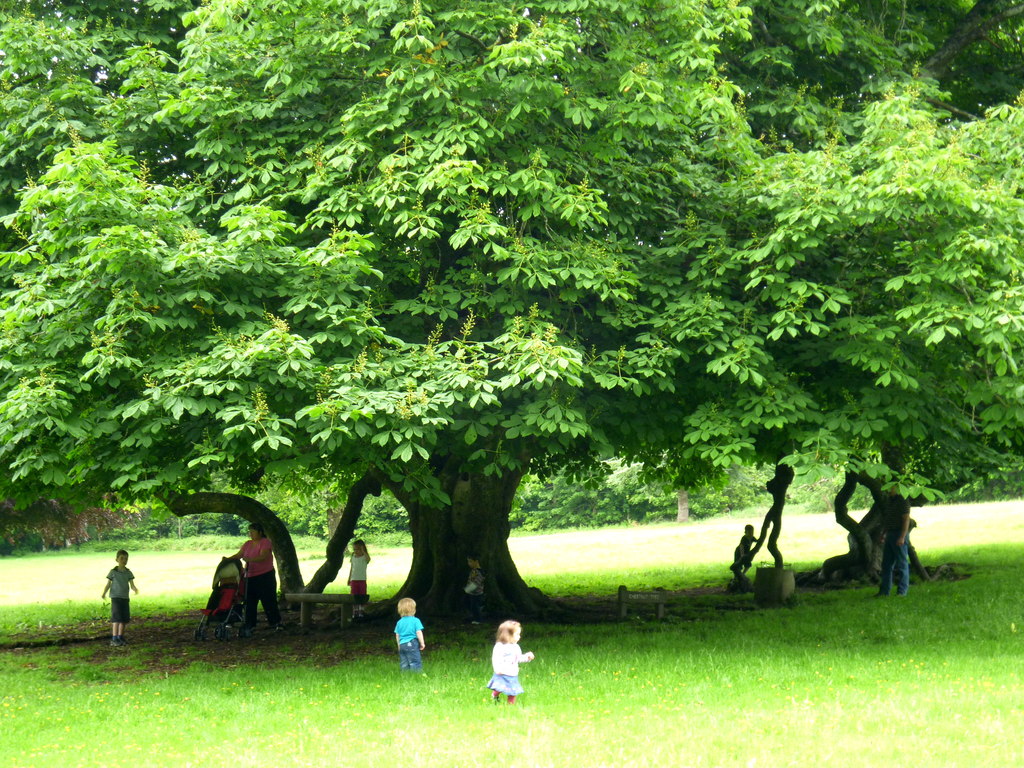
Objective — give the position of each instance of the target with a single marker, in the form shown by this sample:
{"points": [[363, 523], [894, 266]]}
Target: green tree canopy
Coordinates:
{"points": [[432, 246]]}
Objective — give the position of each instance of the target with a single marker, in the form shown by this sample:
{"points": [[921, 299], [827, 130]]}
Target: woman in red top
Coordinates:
{"points": [[261, 582]]}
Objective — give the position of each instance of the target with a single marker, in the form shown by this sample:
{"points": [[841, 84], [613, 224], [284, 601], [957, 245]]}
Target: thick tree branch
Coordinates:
{"points": [[858, 531], [255, 512], [953, 110], [472, 38], [767, 34], [858, 554], [982, 18], [842, 502], [874, 488]]}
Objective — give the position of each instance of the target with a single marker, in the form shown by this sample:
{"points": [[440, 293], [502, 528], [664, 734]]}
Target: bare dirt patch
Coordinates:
{"points": [[166, 644]]}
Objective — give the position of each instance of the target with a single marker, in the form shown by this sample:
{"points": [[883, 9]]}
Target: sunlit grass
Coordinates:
{"points": [[840, 678], [668, 555]]}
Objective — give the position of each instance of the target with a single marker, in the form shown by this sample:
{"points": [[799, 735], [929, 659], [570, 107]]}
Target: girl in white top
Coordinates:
{"points": [[357, 576], [505, 659]]}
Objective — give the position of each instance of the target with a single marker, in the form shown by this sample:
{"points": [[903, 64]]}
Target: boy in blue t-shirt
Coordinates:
{"points": [[409, 636]]}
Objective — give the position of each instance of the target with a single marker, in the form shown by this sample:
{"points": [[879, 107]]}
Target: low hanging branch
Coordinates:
{"points": [[249, 509], [328, 572], [58, 523]]}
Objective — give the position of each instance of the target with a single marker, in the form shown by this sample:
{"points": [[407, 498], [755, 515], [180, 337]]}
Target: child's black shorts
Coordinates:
{"points": [[120, 610]]}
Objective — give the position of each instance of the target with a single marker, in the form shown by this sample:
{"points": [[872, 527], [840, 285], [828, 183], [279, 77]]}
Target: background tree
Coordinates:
{"points": [[52, 524], [872, 320]]}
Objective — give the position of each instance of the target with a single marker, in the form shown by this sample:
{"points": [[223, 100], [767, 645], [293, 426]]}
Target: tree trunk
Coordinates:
{"points": [[289, 575], [777, 487], [474, 523], [860, 556], [683, 506], [865, 556]]}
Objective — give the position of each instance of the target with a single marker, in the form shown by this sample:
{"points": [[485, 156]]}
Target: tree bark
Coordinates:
{"points": [[475, 522], [289, 575], [861, 546], [777, 487], [915, 563], [342, 533], [683, 506], [864, 555], [985, 16]]}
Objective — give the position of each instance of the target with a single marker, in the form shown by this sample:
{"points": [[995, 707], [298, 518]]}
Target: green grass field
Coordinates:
{"points": [[839, 678]]}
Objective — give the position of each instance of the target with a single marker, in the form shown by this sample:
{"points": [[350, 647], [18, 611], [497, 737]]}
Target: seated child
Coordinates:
{"points": [[229, 572]]}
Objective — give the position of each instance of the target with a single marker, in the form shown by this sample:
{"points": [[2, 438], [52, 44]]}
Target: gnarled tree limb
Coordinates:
{"points": [[248, 508]]}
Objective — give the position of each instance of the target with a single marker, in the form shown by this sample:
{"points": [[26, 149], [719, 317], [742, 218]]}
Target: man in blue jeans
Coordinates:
{"points": [[895, 545]]}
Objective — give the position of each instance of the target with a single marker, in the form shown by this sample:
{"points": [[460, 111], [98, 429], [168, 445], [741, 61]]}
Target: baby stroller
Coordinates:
{"points": [[224, 608]]}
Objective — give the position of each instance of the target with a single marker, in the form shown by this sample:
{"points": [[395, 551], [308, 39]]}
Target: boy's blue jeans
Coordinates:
{"points": [[895, 555], [409, 656]]}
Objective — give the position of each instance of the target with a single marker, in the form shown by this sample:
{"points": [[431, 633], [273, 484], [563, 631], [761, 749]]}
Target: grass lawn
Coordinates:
{"points": [[839, 678]]}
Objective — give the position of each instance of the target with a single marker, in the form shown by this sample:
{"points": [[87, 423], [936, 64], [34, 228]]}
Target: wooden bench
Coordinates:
{"points": [[307, 600], [627, 598]]}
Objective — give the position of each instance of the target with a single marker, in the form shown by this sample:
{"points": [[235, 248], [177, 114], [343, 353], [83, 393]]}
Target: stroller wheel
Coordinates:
{"points": [[219, 633], [198, 635]]}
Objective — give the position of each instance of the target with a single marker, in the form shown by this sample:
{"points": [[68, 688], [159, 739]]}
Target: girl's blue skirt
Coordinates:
{"points": [[507, 684]]}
